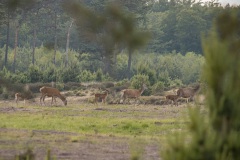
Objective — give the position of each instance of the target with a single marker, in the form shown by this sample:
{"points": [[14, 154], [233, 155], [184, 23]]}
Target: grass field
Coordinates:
{"points": [[88, 131]]}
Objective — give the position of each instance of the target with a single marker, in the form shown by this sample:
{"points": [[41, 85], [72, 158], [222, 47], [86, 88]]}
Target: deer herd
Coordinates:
{"points": [[187, 93]]}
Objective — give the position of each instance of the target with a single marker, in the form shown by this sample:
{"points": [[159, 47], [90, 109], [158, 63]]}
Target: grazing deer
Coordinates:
{"points": [[19, 96], [172, 98], [132, 93], [188, 93], [51, 92], [102, 96]]}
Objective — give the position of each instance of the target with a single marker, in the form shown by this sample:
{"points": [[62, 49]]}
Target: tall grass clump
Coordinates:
{"points": [[218, 137]]}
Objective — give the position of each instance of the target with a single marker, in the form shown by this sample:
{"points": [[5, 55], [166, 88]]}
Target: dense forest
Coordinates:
{"points": [[43, 42]]}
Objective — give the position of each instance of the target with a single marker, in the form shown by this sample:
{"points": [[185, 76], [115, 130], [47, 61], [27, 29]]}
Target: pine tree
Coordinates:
{"points": [[218, 137]]}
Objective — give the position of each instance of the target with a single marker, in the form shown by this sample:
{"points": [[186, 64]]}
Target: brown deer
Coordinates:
{"points": [[20, 96], [172, 98], [188, 92], [132, 93], [102, 96], [51, 92]]}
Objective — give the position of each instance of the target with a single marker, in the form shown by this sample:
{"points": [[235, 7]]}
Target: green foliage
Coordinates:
{"points": [[174, 26], [50, 75], [68, 74], [21, 77], [60, 86], [123, 82], [35, 74], [144, 70], [176, 83], [171, 69], [138, 80], [86, 76], [121, 67], [222, 73], [218, 136], [158, 87], [5, 94], [99, 75]]}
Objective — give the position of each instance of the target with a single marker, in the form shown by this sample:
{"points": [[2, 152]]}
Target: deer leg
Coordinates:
{"points": [[55, 100], [16, 100], [52, 100], [103, 101], [175, 102], [95, 100], [43, 99], [123, 100], [165, 102], [137, 100]]}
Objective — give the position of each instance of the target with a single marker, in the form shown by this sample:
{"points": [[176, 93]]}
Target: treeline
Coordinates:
{"points": [[43, 38], [168, 69]]}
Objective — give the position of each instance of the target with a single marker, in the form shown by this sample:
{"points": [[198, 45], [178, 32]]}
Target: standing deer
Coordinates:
{"points": [[19, 96], [172, 98], [102, 96], [188, 92], [132, 93], [51, 92]]}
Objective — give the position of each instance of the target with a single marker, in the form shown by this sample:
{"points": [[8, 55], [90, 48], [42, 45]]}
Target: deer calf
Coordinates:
{"points": [[172, 98], [20, 96], [102, 96]]}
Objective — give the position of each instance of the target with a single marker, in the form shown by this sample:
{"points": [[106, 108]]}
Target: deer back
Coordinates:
{"points": [[187, 92]]}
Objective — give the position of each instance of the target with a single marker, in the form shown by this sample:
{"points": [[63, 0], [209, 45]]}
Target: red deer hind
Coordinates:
{"points": [[188, 93], [51, 92], [133, 93]]}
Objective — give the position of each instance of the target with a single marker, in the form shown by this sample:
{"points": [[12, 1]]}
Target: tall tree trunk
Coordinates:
{"points": [[129, 63], [7, 41], [107, 64], [15, 48], [34, 38], [34, 45], [55, 39], [67, 45]]}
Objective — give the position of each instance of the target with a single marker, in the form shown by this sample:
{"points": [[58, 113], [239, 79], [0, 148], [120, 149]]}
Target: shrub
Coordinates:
{"points": [[142, 69], [49, 75], [68, 74], [138, 80], [158, 87], [34, 74], [86, 76], [72, 85], [123, 82], [175, 83], [216, 138], [99, 75], [60, 86]]}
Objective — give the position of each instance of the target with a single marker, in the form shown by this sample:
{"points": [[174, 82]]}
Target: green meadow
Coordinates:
{"points": [[150, 124]]}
